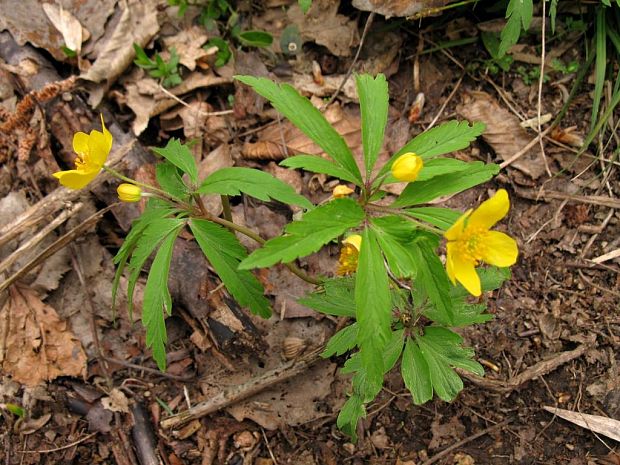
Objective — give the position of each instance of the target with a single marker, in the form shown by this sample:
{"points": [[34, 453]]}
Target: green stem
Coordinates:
{"points": [[226, 207], [252, 235], [164, 194]]}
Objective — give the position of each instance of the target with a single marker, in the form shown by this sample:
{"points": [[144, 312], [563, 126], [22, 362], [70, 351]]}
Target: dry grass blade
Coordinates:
{"points": [[596, 423]]}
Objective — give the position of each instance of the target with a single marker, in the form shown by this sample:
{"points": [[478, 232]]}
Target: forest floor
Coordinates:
{"points": [[96, 394]]}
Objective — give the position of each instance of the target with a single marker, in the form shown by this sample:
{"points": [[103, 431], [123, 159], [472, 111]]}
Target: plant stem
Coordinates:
{"points": [[252, 235], [145, 186], [226, 208]]}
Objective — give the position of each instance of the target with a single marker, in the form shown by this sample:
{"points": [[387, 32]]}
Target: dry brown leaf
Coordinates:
{"points": [[601, 425], [323, 25], [503, 132], [188, 44], [116, 402], [35, 345], [389, 8], [68, 25], [305, 83], [27, 21], [138, 24]]}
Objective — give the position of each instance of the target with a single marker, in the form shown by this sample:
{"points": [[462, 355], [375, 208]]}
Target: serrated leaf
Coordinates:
{"points": [[255, 183], [395, 235], [307, 118], [337, 298], [157, 300], [180, 156], [445, 138], [170, 180], [441, 217], [432, 282], [469, 314], [156, 230], [519, 15], [372, 306], [317, 164], [416, 373], [434, 167], [316, 228], [393, 349], [374, 100], [424, 191], [341, 342], [352, 411], [255, 38], [224, 252], [442, 350]]}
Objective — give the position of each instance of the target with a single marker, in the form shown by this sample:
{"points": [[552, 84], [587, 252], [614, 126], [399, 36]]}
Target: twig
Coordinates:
{"points": [[153, 371], [540, 86], [198, 110], [143, 436], [67, 446], [445, 104], [234, 394], [369, 20], [554, 195], [55, 246], [541, 368], [525, 149], [446, 451]]}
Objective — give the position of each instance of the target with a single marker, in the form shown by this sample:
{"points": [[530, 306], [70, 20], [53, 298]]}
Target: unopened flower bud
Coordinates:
{"points": [[341, 191], [129, 193], [407, 167]]}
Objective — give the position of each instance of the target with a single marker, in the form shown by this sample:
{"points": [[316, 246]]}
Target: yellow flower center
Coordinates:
{"points": [[471, 244], [347, 260]]}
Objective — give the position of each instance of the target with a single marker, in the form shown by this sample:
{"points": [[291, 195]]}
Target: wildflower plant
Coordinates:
{"points": [[391, 283]]}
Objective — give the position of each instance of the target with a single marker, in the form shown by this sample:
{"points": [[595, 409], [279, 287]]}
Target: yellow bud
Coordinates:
{"points": [[407, 167], [355, 240], [129, 193], [341, 191]]}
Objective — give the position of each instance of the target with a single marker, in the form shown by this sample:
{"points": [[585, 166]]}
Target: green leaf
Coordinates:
{"points": [[157, 300], [469, 314], [441, 217], [255, 183], [442, 350], [432, 282], [600, 65], [374, 101], [341, 342], [416, 374], [395, 235], [154, 233], [393, 349], [425, 191], [142, 60], [491, 278], [224, 252], [223, 54], [445, 138], [350, 414], [316, 228], [255, 38], [180, 156], [373, 307], [317, 164], [337, 298], [153, 211], [305, 5], [519, 15], [14, 409], [307, 118], [170, 180]]}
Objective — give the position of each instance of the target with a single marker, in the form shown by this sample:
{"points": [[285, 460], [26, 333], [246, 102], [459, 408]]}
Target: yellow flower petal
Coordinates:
{"points": [[76, 179], [80, 143], [490, 211], [456, 229], [500, 249], [407, 167], [99, 146], [465, 273], [355, 240]]}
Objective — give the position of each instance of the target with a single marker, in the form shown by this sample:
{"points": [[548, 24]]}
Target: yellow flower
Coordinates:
{"points": [[407, 167], [349, 254], [470, 241], [129, 193], [341, 191], [92, 152]]}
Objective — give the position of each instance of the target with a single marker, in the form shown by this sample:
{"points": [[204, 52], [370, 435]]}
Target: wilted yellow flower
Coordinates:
{"points": [[129, 192], [349, 255], [92, 152], [407, 167], [341, 191], [470, 241]]}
